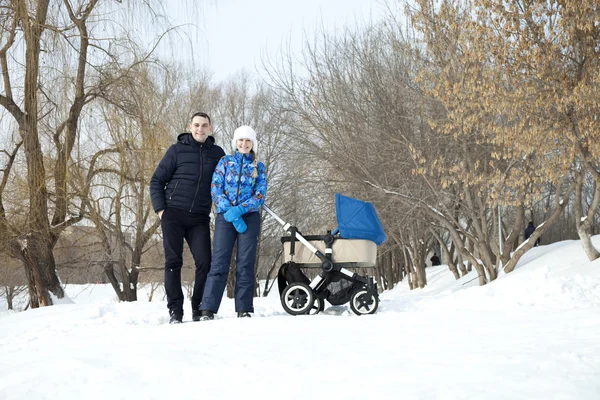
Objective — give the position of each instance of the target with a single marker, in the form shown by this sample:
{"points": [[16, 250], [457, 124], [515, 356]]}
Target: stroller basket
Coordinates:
{"points": [[352, 245]]}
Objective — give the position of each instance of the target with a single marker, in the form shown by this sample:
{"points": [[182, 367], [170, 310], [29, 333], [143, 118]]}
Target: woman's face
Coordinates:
{"points": [[244, 145]]}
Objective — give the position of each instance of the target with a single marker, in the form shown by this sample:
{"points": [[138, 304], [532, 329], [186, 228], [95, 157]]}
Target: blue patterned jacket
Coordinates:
{"points": [[233, 184]]}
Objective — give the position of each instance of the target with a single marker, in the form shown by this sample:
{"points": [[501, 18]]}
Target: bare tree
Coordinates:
{"points": [[138, 125], [359, 119], [12, 282], [60, 52]]}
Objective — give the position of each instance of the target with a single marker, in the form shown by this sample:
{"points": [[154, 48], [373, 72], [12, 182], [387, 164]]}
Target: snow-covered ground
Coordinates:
{"points": [[531, 334]]}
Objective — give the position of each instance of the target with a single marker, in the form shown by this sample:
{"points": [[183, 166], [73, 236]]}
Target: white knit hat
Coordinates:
{"points": [[244, 132]]}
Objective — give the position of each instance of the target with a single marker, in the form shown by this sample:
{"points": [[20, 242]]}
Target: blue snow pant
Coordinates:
{"points": [[225, 237], [178, 225]]}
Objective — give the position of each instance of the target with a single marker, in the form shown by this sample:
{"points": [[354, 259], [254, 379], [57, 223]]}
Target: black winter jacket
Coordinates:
{"points": [[182, 178]]}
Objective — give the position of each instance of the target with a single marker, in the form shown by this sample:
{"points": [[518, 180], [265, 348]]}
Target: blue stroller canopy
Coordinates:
{"points": [[358, 220]]}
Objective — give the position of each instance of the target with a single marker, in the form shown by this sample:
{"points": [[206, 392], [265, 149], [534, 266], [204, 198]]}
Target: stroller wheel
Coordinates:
{"points": [[364, 302], [297, 299], [318, 306]]}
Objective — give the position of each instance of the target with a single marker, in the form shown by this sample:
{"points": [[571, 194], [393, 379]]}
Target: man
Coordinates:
{"points": [[180, 192]]}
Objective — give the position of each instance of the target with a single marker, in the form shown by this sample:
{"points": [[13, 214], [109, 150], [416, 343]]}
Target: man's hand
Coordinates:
{"points": [[160, 213]]}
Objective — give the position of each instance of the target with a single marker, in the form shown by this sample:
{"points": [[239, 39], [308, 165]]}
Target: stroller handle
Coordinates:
{"points": [[282, 222], [297, 235]]}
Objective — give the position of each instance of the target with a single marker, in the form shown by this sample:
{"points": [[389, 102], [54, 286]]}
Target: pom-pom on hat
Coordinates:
{"points": [[244, 132]]}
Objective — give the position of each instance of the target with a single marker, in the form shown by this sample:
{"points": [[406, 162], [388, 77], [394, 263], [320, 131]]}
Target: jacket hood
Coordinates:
{"points": [[188, 139]]}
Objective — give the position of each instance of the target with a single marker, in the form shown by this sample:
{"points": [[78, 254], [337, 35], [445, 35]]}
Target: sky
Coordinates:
{"points": [[227, 36], [531, 334]]}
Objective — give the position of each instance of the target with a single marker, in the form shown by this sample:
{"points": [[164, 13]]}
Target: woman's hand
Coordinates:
{"points": [[233, 213], [239, 225]]}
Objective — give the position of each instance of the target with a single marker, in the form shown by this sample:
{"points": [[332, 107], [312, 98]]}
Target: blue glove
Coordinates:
{"points": [[234, 213], [239, 225]]}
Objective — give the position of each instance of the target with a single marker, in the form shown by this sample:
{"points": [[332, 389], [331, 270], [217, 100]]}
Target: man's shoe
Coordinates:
{"points": [[244, 314], [175, 317], [196, 314], [206, 315]]}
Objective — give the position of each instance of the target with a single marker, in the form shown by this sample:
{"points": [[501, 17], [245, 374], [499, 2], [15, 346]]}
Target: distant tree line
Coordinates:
{"points": [[460, 121]]}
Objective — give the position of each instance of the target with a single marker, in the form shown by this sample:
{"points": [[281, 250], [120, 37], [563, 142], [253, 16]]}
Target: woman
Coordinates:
{"points": [[238, 191]]}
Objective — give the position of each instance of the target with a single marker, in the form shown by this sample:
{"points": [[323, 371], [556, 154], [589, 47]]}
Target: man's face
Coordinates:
{"points": [[200, 128]]}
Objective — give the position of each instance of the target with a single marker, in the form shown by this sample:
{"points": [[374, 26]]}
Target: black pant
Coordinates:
{"points": [[178, 225]]}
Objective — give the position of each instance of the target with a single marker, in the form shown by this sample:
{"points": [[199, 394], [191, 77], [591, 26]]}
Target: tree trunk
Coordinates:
{"points": [[446, 254], [584, 232], [132, 275], [130, 284], [9, 291], [273, 265], [583, 223], [114, 282], [231, 281], [41, 272], [381, 267], [461, 265], [410, 276], [470, 248], [386, 259], [379, 278], [459, 260], [401, 271], [516, 231], [480, 273], [418, 263], [34, 299], [561, 203], [231, 275], [398, 264], [421, 274], [38, 258], [153, 287]]}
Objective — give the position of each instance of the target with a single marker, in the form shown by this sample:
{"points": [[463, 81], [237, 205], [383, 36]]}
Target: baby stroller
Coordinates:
{"points": [[352, 245]]}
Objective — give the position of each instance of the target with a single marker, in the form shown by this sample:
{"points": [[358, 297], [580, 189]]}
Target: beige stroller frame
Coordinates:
{"points": [[347, 253]]}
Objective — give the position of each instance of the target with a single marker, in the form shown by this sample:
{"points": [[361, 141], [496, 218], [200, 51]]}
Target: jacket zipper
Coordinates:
{"points": [[237, 196], [199, 178], [174, 189]]}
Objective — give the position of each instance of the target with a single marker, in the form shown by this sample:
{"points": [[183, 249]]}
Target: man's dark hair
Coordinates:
{"points": [[203, 115]]}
